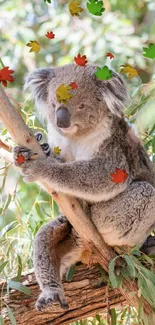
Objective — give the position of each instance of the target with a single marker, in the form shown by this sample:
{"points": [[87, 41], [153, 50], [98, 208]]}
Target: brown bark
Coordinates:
{"points": [[84, 295], [69, 205]]}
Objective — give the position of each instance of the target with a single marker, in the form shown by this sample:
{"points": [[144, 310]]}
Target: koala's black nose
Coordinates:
{"points": [[63, 117]]}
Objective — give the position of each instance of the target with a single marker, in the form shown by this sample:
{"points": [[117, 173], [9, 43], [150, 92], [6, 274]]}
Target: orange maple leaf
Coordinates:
{"points": [[110, 55], [81, 60], [20, 159], [73, 85], [50, 35], [5, 75], [119, 176]]}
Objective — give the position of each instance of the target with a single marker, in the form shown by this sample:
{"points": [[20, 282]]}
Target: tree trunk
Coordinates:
{"points": [[85, 294]]}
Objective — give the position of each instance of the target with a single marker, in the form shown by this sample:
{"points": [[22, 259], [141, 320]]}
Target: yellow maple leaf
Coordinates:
{"points": [[74, 7], [63, 94], [57, 150], [35, 46], [132, 72]]}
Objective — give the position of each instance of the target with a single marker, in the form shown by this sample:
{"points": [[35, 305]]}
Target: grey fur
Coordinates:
{"points": [[98, 142]]}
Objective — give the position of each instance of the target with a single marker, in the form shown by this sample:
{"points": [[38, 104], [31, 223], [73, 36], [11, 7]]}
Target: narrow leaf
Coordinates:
{"points": [[19, 286], [112, 275], [11, 316], [70, 273], [113, 316], [2, 266]]}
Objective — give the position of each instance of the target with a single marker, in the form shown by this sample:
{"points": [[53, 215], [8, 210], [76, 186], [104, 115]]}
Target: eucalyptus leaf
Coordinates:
{"points": [[2, 266], [18, 286], [70, 273], [113, 316], [11, 316], [112, 275]]}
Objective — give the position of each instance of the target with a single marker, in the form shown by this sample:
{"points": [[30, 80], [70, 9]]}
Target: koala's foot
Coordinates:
{"points": [[50, 296]]}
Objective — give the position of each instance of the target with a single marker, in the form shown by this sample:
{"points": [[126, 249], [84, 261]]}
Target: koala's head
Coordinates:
{"points": [[92, 103]]}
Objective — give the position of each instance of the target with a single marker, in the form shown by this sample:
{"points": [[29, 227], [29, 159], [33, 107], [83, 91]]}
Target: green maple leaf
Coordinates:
{"points": [[150, 51], [95, 7], [103, 73]]}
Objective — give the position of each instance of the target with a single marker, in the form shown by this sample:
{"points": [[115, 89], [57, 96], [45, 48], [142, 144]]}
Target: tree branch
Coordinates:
{"points": [[84, 295]]}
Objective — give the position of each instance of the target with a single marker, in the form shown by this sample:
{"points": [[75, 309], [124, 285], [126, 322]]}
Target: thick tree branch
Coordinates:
{"points": [[70, 206], [84, 295]]}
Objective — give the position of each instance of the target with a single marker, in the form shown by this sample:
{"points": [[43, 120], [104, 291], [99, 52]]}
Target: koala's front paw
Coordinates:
{"points": [[21, 154], [31, 169], [50, 296]]}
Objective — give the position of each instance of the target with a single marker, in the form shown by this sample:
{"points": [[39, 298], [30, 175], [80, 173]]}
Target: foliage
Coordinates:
{"points": [[126, 29]]}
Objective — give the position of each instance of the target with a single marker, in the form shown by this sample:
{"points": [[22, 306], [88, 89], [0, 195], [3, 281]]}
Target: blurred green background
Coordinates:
{"points": [[125, 27]]}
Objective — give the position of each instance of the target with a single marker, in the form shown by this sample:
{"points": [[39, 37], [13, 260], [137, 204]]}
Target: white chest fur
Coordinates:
{"points": [[75, 149]]}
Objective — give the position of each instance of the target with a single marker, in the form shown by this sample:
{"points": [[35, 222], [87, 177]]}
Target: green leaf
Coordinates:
{"points": [[4, 132], [70, 273], [104, 275], [11, 315], [153, 144], [123, 315], [1, 321], [95, 7], [2, 266], [39, 212], [112, 275], [18, 286], [7, 202], [98, 317], [19, 272], [131, 266], [113, 316], [150, 51], [148, 291], [103, 73]]}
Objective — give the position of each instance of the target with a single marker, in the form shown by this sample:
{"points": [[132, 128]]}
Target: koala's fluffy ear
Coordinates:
{"points": [[38, 83], [114, 92]]}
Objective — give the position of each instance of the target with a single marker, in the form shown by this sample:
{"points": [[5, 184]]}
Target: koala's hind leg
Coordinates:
{"points": [[56, 247]]}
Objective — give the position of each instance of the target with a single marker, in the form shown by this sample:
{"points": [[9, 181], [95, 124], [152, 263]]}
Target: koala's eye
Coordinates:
{"points": [[81, 106]]}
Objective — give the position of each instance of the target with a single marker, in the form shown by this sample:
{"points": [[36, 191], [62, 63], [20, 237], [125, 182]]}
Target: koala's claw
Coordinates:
{"points": [[50, 297]]}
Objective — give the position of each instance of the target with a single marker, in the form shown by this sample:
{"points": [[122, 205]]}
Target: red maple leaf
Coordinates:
{"points": [[81, 60], [110, 55], [119, 176], [5, 75], [20, 159], [50, 35], [73, 85]]}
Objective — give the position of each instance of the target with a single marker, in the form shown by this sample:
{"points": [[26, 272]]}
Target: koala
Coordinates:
{"points": [[96, 142]]}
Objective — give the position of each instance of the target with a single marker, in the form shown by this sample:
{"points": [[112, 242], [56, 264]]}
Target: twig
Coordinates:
{"points": [[5, 146]]}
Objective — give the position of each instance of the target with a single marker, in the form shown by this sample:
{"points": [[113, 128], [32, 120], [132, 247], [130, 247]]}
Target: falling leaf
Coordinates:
{"points": [[95, 7], [50, 35], [119, 176], [110, 55], [74, 7], [35, 47], [5, 75], [126, 68], [63, 94], [103, 73], [81, 60], [150, 51], [20, 159], [73, 85], [57, 150]]}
